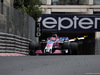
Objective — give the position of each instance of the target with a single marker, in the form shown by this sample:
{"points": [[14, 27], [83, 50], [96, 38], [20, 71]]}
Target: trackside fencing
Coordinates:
{"points": [[17, 30]]}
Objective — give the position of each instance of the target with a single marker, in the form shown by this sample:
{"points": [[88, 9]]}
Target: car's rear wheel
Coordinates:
{"points": [[74, 48], [66, 45]]}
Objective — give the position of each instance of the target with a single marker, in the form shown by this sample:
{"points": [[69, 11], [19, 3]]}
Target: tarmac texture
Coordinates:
{"points": [[51, 65]]}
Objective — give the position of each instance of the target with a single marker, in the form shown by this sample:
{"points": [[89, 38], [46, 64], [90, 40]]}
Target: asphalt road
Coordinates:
{"points": [[50, 65]]}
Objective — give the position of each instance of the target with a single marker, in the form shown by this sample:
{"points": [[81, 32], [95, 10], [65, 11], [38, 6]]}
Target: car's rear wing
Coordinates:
{"points": [[66, 39]]}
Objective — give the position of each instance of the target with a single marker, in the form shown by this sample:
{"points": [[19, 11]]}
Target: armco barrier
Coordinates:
{"points": [[13, 44]]}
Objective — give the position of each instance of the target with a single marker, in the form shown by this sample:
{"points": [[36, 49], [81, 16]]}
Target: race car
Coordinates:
{"points": [[54, 45]]}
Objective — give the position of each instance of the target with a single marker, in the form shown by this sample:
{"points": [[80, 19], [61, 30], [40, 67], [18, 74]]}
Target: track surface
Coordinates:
{"points": [[50, 65]]}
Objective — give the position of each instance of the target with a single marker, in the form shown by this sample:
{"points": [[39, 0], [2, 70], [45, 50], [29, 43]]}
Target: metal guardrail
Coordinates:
{"points": [[14, 43]]}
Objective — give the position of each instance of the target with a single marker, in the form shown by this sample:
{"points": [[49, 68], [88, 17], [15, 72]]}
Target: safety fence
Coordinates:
{"points": [[17, 29]]}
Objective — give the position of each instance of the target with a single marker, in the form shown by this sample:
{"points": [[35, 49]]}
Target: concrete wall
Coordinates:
{"points": [[31, 33], [10, 21]]}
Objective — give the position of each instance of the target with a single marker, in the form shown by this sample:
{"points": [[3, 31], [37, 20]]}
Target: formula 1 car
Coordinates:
{"points": [[54, 45]]}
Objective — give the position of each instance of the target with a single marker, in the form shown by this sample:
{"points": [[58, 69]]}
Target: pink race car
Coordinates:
{"points": [[53, 45]]}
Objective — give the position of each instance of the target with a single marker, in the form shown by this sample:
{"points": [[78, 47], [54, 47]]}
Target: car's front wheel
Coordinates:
{"points": [[32, 47], [65, 47]]}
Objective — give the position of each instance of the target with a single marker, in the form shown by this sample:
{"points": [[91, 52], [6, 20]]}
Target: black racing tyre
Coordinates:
{"points": [[65, 45], [74, 48], [43, 45], [32, 47]]}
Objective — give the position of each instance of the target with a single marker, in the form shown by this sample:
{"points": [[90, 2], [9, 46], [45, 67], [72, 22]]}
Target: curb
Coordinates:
{"points": [[11, 54]]}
